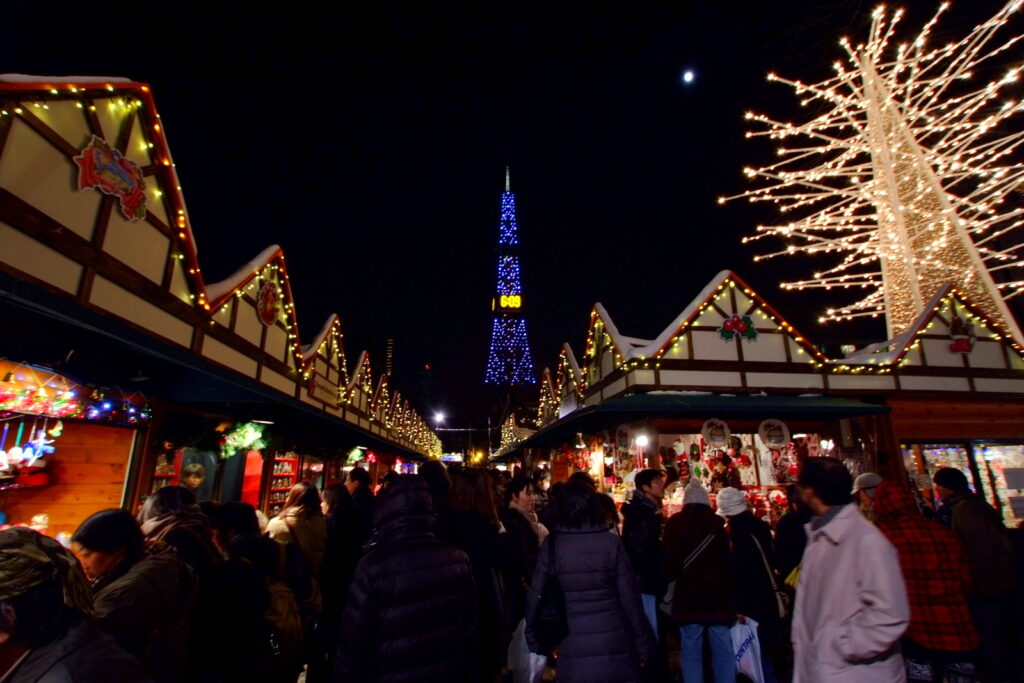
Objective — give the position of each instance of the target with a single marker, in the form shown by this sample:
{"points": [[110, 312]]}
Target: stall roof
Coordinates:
{"points": [[695, 404]]}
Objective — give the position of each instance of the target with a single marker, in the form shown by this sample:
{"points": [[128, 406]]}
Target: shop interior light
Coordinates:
{"points": [[264, 422]]}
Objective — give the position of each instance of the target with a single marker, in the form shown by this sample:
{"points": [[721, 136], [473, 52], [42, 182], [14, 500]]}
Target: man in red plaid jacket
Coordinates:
{"points": [[941, 638]]}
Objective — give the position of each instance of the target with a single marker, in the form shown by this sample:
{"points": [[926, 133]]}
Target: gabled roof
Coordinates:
{"points": [[569, 370], [631, 348], [892, 351]]}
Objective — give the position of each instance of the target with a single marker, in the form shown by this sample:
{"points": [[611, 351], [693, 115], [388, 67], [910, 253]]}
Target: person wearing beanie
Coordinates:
{"points": [[980, 529], [697, 560], [142, 595], [731, 501], [696, 494], [754, 574], [864, 493]]}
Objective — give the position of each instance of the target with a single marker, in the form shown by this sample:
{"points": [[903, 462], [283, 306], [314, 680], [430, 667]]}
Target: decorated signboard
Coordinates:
{"points": [[102, 166], [716, 433]]}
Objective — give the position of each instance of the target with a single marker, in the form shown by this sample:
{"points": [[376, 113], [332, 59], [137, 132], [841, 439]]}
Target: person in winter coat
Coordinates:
{"points": [[790, 535], [472, 525], [524, 534], [641, 534], [143, 595], [260, 631], [411, 611], [45, 631], [851, 601], [696, 549], [360, 489], [172, 515], [753, 575], [981, 531], [301, 521], [609, 638], [940, 639]]}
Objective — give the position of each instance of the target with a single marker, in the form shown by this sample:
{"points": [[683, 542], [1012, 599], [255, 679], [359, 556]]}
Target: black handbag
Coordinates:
{"points": [[550, 624]]}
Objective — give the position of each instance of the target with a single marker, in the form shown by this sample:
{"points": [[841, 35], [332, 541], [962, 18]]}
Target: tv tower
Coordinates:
{"points": [[510, 362]]}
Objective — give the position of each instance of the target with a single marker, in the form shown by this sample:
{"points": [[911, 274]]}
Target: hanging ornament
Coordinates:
{"points": [[963, 335]]}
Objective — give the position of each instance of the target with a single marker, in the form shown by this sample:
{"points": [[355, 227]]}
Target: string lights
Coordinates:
{"points": [[107, 107], [903, 175]]}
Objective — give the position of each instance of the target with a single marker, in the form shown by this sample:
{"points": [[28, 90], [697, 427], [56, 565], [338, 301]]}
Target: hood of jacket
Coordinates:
{"points": [[891, 502], [406, 506]]}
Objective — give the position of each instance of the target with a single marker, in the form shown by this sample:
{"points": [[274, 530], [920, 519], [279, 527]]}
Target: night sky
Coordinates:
{"points": [[370, 140]]}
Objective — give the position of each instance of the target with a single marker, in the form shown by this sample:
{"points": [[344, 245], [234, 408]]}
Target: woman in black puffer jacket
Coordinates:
{"points": [[411, 613], [609, 637]]}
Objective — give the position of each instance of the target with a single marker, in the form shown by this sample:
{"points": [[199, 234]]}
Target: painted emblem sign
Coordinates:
{"points": [[774, 434], [102, 166], [715, 433], [268, 303]]}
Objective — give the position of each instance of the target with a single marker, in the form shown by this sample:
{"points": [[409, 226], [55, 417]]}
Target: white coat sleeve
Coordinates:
{"points": [[884, 612]]}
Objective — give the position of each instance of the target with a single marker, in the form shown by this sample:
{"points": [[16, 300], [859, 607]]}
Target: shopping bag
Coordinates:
{"points": [[526, 667], [747, 649]]}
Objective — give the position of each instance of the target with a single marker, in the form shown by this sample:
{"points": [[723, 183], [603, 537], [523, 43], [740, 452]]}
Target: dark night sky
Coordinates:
{"points": [[369, 139]]}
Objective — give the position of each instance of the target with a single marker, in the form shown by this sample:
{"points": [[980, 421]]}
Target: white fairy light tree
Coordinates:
{"points": [[905, 174]]}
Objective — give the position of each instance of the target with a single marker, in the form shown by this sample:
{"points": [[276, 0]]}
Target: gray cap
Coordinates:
{"points": [[866, 482]]}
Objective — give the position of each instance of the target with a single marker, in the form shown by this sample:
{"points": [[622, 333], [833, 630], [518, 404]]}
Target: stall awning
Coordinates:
{"points": [[679, 404]]}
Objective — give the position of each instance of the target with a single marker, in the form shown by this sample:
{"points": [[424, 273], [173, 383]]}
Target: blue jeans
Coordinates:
{"points": [[650, 604], [691, 653]]}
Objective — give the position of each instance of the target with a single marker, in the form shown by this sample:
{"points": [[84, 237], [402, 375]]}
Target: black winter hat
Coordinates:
{"points": [[110, 530]]}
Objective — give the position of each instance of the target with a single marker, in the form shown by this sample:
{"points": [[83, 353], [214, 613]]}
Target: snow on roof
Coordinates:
{"points": [[217, 290], [634, 347], [60, 80], [572, 358], [889, 351], [311, 348]]}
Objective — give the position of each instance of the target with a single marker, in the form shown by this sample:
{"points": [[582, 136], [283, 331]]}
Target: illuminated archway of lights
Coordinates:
{"points": [[905, 172]]}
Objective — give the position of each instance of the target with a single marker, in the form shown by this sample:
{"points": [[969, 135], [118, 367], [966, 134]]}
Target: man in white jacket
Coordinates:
{"points": [[851, 601]]}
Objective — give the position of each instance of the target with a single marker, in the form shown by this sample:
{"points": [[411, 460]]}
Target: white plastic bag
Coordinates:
{"points": [[526, 666], [747, 649]]}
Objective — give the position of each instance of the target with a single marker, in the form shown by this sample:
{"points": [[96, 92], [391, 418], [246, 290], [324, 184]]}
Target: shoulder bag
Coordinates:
{"points": [[665, 604], [781, 596], [550, 624]]}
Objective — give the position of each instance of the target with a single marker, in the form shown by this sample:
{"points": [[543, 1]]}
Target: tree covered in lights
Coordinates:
{"points": [[510, 362], [904, 172]]}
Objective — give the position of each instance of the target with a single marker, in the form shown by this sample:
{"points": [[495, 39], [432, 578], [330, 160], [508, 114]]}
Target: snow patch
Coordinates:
{"points": [[217, 290]]}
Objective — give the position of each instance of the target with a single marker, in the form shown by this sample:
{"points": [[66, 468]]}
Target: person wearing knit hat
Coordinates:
{"points": [[731, 501], [695, 494], [756, 581], [46, 632], [696, 550]]}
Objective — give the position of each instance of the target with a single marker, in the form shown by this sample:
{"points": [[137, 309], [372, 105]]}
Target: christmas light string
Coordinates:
{"points": [[122, 99], [904, 175]]}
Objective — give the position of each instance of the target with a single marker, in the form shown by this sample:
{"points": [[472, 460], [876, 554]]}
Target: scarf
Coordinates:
{"points": [[539, 529]]}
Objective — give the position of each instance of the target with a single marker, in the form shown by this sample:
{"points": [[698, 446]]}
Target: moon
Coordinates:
{"points": [[688, 76]]}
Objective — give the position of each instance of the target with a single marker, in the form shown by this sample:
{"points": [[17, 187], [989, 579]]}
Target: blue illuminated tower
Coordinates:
{"points": [[510, 362]]}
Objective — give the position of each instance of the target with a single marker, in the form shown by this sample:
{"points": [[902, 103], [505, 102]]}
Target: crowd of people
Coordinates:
{"points": [[456, 575]]}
